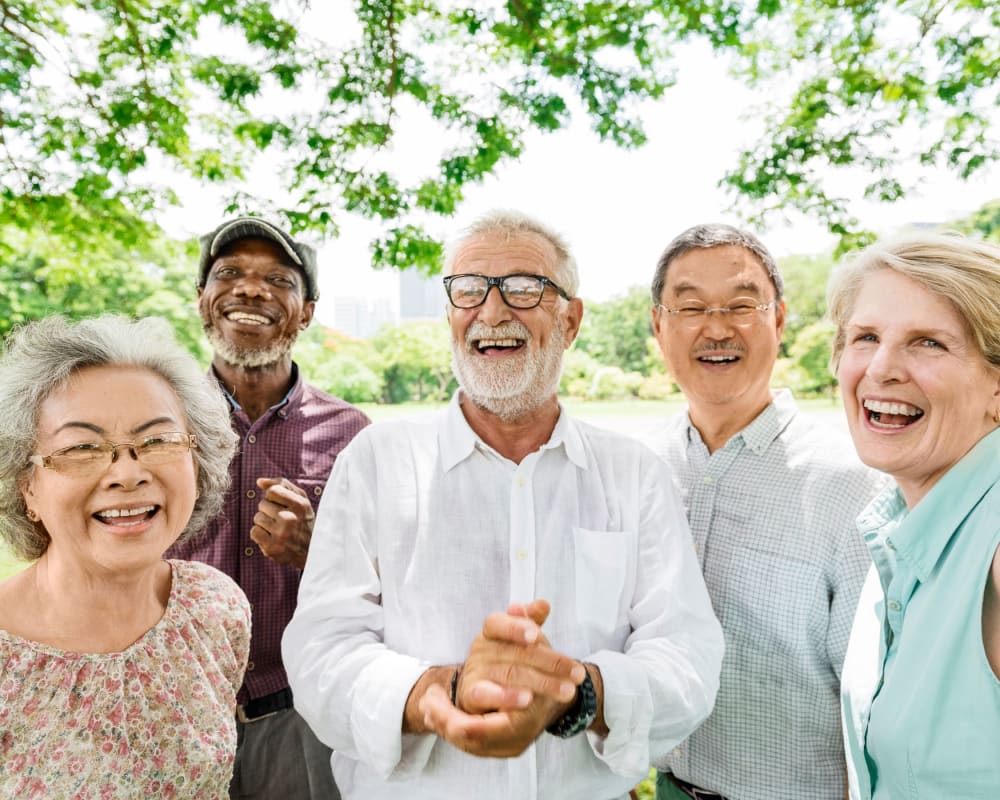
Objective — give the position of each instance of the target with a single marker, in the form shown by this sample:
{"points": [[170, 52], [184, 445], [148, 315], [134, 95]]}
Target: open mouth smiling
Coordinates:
{"points": [[506, 344], [246, 317], [724, 358], [891, 415], [126, 517]]}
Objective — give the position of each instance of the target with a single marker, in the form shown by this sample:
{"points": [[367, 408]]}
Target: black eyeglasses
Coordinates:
{"points": [[518, 291]]}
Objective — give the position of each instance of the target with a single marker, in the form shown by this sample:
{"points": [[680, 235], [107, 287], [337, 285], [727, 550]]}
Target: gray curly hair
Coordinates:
{"points": [[40, 357]]}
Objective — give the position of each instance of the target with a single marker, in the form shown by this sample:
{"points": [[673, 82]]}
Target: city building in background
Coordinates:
{"points": [[420, 297]]}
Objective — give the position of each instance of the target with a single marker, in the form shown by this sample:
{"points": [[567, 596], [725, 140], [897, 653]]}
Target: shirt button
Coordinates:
{"points": [[677, 753], [317, 490], [251, 438], [708, 480], [890, 544], [282, 413], [521, 555], [894, 606], [250, 667], [251, 493], [248, 551], [521, 481]]}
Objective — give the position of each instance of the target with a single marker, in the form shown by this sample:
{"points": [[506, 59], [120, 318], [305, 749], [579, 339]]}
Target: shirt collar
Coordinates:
{"points": [[459, 441], [293, 394], [765, 427], [930, 525]]}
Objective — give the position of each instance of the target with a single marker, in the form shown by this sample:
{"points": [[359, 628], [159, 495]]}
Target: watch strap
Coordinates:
{"points": [[579, 715]]}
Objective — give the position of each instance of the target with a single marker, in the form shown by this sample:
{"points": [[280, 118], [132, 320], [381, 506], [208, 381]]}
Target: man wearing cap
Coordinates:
{"points": [[257, 291]]}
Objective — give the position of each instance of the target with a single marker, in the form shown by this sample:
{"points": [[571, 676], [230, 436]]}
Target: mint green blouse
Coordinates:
{"points": [[921, 703]]}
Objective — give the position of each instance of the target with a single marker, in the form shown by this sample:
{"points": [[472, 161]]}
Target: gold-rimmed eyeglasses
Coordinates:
{"points": [[89, 458], [695, 314]]}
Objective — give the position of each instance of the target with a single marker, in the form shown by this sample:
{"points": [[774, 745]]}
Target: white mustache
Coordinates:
{"points": [[505, 330]]}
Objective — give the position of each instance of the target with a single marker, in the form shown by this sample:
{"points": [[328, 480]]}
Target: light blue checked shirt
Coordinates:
{"points": [[772, 515]]}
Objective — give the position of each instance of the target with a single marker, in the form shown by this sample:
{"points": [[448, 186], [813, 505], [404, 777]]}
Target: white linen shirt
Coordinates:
{"points": [[424, 531]]}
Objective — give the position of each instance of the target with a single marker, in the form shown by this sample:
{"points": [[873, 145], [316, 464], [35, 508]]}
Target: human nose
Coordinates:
{"points": [[494, 309], [717, 323], [125, 472], [884, 366], [251, 286]]}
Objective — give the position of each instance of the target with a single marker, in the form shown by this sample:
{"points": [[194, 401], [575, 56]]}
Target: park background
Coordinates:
{"points": [[376, 128]]}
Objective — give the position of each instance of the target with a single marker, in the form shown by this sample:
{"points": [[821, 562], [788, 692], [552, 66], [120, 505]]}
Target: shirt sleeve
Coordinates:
{"points": [[347, 684], [664, 684]]}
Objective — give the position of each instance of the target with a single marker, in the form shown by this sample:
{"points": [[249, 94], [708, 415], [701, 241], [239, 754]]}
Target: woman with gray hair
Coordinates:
{"points": [[917, 352], [118, 669]]}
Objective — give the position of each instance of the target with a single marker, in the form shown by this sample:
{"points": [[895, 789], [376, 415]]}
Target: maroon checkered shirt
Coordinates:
{"points": [[298, 439]]}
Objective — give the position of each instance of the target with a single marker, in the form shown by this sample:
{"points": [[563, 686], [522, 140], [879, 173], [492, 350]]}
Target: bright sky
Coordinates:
{"points": [[618, 208]]}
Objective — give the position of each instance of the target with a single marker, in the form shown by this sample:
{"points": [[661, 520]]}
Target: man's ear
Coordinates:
{"points": [[779, 317], [573, 317], [655, 319], [308, 309]]}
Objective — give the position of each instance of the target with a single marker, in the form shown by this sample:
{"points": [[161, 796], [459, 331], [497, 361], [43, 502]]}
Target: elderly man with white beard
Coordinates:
{"points": [[499, 599]]}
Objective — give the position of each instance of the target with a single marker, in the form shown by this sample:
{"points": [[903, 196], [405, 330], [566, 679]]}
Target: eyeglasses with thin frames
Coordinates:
{"points": [[470, 290], [694, 314], [89, 458]]}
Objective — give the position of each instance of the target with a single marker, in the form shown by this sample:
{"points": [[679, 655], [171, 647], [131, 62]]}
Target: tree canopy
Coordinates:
{"points": [[99, 101]]}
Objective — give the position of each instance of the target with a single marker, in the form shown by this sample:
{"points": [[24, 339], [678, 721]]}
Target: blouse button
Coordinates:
{"points": [[894, 606], [317, 490], [250, 667], [251, 438], [248, 551], [251, 493]]}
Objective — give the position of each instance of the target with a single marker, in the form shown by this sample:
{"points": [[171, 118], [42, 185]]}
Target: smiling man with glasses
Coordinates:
{"points": [[501, 601], [771, 498]]}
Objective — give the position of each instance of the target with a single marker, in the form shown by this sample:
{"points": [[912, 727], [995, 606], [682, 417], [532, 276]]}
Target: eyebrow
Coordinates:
{"points": [[917, 333], [90, 426], [745, 286]]}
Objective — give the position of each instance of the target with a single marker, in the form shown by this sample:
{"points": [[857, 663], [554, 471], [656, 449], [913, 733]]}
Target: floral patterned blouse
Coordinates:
{"points": [[156, 720]]}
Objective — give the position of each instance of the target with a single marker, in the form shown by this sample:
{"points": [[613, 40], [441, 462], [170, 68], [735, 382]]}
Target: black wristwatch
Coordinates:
{"points": [[580, 714]]}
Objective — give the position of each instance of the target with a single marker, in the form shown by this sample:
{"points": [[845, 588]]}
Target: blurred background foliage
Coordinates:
{"points": [[614, 358], [110, 112]]}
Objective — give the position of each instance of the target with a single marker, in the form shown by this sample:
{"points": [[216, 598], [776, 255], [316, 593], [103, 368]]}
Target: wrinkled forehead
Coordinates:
{"points": [[726, 269], [503, 254]]}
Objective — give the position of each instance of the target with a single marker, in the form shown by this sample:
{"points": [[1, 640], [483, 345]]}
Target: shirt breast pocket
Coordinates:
{"points": [[605, 564], [312, 486]]}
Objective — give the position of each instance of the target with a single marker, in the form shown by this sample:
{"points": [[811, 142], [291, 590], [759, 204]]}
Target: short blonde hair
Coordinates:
{"points": [[964, 271]]}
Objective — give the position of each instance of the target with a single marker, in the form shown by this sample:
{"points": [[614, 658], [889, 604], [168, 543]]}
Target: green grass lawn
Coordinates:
{"points": [[640, 415]]}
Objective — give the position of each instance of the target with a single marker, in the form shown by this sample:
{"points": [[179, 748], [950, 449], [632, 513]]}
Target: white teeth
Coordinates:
{"points": [[883, 407], [125, 512], [718, 359], [250, 319], [484, 343]]}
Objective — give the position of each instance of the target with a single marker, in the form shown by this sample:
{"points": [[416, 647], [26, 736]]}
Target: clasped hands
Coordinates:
{"points": [[512, 686]]}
